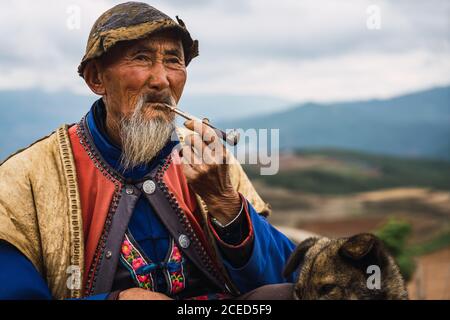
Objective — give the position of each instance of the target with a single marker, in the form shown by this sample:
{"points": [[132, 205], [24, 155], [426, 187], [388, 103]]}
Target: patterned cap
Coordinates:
{"points": [[132, 21]]}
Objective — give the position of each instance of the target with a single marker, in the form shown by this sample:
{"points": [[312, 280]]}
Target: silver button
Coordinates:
{"points": [[129, 190], [184, 241], [108, 254], [149, 187]]}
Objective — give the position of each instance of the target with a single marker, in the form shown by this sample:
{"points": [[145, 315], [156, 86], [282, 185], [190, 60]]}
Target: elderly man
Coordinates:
{"points": [[114, 207]]}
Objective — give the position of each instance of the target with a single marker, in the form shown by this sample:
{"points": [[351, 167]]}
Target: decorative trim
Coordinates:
{"points": [[75, 221], [132, 259], [118, 181], [177, 279], [141, 267], [87, 142]]}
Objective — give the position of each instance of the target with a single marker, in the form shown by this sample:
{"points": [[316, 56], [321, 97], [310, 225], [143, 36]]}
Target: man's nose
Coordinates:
{"points": [[158, 78]]}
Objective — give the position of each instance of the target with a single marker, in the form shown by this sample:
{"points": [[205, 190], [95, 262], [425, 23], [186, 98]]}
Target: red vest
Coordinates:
{"points": [[100, 189]]}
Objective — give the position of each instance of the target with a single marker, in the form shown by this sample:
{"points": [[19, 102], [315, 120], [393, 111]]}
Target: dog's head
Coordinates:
{"points": [[358, 267]]}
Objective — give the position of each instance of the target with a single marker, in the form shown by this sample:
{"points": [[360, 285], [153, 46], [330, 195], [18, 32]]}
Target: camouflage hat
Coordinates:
{"points": [[132, 21]]}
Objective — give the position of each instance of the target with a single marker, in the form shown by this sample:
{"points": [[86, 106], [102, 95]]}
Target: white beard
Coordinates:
{"points": [[142, 138]]}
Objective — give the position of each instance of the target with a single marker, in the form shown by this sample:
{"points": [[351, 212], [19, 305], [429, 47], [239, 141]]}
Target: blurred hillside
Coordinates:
{"points": [[332, 171], [337, 185], [414, 125]]}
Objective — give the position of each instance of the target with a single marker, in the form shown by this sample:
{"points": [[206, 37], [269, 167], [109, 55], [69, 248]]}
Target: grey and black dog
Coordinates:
{"points": [[345, 268]]}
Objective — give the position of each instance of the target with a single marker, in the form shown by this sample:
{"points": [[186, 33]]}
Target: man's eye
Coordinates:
{"points": [[142, 57], [173, 60]]}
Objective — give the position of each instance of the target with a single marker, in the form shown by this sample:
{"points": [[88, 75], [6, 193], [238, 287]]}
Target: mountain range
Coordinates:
{"points": [[413, 125]]}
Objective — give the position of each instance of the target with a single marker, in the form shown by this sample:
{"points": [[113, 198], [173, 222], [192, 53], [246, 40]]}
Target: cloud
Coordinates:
{"points": [[365, 75], [298, 50], [39, 50]]}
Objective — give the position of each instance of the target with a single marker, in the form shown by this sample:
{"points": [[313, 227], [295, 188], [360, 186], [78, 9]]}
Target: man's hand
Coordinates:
{"points": [[206, 168], [141, 294]]}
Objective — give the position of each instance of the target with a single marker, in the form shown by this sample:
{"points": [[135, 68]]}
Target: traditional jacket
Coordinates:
{"points": [[63, 207]]}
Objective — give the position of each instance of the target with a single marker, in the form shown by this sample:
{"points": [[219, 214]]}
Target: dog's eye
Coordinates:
{"points": [[326, 288]]}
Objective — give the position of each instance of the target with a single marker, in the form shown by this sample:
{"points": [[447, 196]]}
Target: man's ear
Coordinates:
{"points": [[363, 249], [298, 256], [93, 77]]}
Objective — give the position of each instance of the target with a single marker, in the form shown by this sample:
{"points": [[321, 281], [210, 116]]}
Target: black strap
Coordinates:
{"points": [[119, 224]]}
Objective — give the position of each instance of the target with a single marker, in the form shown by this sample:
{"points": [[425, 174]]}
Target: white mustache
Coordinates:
{"points": [[142, 138], [166, 100]]}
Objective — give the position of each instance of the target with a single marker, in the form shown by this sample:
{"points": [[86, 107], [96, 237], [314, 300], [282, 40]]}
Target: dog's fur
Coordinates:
{"points": [[337, 269]]}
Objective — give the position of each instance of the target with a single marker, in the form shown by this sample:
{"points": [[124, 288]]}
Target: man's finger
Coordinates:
{"points": [[190, 157], [206, 132], [196, 142], [204, 151]]}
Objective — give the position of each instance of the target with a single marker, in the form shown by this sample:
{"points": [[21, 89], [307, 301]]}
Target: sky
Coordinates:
{"points": [[308, 50]]}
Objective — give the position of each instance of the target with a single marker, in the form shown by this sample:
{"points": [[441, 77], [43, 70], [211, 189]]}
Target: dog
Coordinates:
{"points": [[345, 268]]}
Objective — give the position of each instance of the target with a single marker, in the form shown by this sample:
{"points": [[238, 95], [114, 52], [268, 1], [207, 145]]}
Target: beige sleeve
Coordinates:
{"points": [[242, 184], [18, 219]]}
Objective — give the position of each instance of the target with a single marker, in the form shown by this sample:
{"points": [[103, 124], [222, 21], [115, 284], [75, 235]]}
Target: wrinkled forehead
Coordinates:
{"points": [[164, 40], [167, 41]]}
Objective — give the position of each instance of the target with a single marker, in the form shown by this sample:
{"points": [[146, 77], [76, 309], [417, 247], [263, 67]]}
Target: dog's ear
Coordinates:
{"points": [[363, 248], [358, 246], [297, 256]]}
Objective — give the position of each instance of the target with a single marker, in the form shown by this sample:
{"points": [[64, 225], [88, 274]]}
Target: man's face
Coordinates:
{"points": [[152, 69], [138, 77]]}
